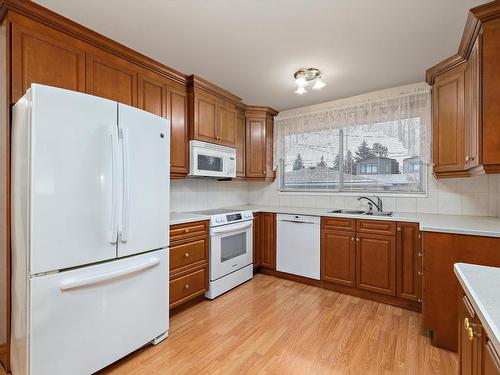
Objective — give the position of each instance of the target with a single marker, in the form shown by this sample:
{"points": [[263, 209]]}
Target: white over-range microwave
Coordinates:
{"points": [[211, 160]]}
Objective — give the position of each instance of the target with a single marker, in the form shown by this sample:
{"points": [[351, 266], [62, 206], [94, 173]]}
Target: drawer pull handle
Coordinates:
{"points": [[186, 286], [186, 255], [186, 231]]}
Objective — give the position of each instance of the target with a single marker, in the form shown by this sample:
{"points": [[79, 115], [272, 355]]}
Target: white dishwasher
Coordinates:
{"points": [[298, 245]]}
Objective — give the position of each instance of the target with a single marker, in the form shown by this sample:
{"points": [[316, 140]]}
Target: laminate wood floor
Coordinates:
{"points": [[276, 326]]}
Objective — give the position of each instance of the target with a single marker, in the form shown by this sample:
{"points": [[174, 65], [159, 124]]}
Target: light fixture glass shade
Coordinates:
{"points": [[319, 84], [301, 81], [301, 90]]}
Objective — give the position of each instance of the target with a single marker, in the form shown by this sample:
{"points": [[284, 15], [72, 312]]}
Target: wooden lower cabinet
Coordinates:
{"points": [[188, 261], [256, 240], [409, 261], [267, 240], [376, 263], [338, 257], [376, 259], [440, 286], [476, 354]]}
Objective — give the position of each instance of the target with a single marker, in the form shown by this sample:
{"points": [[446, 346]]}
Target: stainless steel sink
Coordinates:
{"points": [[361, 212], [348, 212], [383, 213]]}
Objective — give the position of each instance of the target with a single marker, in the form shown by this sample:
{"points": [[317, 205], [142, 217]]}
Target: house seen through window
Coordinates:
{"points": [[380, 157]]}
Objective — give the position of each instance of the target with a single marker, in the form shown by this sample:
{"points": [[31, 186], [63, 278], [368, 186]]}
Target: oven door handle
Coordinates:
{"points": [[230, 228]]}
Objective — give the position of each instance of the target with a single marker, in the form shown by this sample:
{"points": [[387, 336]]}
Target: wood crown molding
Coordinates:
{"points": [[476, 17], [49, 18], [196, 82], [260, 111]]}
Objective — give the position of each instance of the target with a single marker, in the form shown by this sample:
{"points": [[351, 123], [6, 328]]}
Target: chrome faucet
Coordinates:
{"points": [[371, 202]]}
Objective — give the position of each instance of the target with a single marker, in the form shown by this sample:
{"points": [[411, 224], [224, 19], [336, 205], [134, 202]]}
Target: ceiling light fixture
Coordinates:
{"points": [[304, 76]]}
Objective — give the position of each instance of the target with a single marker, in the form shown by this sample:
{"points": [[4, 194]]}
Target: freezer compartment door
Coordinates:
{"points": [[73, 180], [83, 320], [145, 148]]}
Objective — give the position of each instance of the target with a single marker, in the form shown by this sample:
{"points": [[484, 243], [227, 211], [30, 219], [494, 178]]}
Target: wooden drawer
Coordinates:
{"points": [[338, 223], [189, 286], [376, 227], [179, 232], [188, 253]]}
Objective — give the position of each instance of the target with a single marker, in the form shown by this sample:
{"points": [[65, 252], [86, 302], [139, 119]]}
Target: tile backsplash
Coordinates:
{"points": [[459, 196], [197, 194]]}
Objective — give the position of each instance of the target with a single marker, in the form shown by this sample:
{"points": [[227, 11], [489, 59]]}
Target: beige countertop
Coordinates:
{"points": [[459, 224]]}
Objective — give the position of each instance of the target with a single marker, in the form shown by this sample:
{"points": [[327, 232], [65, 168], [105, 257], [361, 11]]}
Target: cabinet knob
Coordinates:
{"points": [[399, 229], [470, 333], [419, 300], [218, 138], [352, 238], [357, 239], [466, 323], [186, 231], [420, 255], [467, 158], [186, 255], [186, 286], [419, 273], [472, 158]]}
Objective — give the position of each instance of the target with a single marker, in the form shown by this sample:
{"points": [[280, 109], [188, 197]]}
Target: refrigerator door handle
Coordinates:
{"points": [[114, 186], [90, 280], [126, 186]]}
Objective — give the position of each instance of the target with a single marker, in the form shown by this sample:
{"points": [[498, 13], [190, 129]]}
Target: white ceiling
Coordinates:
{"points": [[253, 47]]}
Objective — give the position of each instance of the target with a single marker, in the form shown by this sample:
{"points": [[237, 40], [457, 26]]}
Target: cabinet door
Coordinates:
{"points": [[112, 78], [177, 113], [256, 148], [338, 254], [205, 117], [409, 272], [468, 343], [226, 129], [45, 56], [256, 240], [240, 144], [268, 240], [270, 173], [376, 263], [491, 359], [472, 107], [448, 126], [152, 95]]}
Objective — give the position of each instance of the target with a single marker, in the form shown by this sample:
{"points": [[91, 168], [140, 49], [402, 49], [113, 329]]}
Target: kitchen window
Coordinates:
{"points": [[375, 146]]}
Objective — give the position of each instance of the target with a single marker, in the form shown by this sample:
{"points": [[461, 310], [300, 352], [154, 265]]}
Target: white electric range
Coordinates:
{"points": [[230, 255]]}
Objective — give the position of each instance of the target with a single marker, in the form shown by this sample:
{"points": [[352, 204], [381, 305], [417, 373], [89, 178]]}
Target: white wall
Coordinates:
{"points": [[197, 194], [462, 196]]}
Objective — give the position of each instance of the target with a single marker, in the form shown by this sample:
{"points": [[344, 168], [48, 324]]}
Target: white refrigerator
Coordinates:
{"points": [[90, 225]]}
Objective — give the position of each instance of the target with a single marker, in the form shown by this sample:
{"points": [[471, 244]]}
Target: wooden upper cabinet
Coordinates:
{"points": [[151, 95], [240, 144], [376, 263], [226, 129], [448, 121], [177, 113], [255, 147], [409, 261], [111, 77], [165, 98], [338, 257], [205, 117], [46, 56], [472, 133]]}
